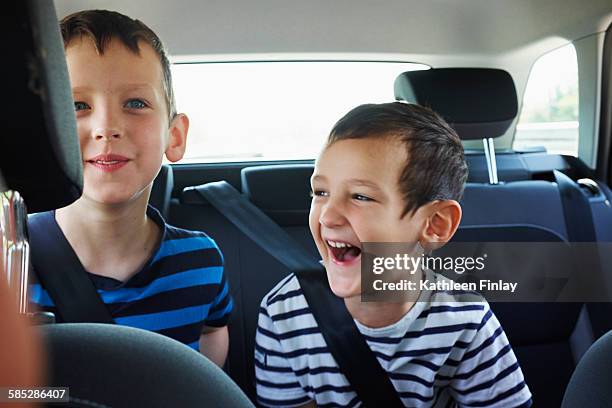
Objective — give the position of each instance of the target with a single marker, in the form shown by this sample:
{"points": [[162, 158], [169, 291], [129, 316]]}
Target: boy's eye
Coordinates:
{"points": [[135, 104], [318, 193], [361, 197], [80, 106]]}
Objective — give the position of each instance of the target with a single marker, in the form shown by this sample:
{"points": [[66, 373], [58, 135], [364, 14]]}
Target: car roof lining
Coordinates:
{"points": [[401, 26]]}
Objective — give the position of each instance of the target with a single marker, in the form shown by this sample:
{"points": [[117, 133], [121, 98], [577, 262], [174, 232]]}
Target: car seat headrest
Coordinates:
{"points": [[120, 366], [478, 103], [39, 150], [282, 191], [278, 186]]}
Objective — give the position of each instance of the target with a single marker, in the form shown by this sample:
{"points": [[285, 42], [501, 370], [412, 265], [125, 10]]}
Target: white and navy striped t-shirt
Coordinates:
{"points": [[179, 290], [442, 353]]}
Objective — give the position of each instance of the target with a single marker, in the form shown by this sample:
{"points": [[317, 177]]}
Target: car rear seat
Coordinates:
{"points": [[282, 191], [548, 338], [540, 333]]}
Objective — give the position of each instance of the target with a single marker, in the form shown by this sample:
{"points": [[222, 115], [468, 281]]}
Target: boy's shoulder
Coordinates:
{"points": [[287, 295], [180, 240], [173, 232], [175, 237], [190, 245], [455, 304]]}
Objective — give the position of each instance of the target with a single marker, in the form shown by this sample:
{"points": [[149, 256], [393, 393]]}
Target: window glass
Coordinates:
{"points": [[549, 117], [241, 111]]}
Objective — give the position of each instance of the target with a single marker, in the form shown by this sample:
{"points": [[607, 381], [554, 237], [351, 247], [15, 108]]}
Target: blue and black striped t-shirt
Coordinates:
{"points": [[179, 290]]}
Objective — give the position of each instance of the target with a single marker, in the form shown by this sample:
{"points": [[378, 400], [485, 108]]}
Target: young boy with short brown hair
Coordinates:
{"points": [[389, 173], [149, 274]]}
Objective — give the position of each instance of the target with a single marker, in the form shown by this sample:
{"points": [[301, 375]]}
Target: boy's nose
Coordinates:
{"points": [[332, 215], [105, 123], [106, 133]]}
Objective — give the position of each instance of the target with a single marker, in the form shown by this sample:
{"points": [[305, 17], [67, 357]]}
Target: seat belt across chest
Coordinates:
{"points": [[62, 275]]}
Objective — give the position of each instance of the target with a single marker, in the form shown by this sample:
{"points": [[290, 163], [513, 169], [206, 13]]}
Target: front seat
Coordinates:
{"points": [[591, 383], [40, 158], [119, 366]]}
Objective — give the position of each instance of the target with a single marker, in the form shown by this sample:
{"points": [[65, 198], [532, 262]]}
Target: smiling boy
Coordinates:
{"points": [[150, 275], [388, 173]]}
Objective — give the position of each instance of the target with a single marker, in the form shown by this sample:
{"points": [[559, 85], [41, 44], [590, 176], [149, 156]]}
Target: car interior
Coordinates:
{"points": [[480, 55]]}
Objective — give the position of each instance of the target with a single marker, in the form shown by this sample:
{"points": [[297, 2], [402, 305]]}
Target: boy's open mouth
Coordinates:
{"points": [[343, 251]]}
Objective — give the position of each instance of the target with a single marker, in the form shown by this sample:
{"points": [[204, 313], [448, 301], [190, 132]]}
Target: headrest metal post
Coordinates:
{"points": [[493, 161], [485, 145], [489, 150]]}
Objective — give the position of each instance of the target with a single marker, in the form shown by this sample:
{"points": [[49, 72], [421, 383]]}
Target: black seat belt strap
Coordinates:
{"points": [[257, 226], [61, 274], [346, 344]]}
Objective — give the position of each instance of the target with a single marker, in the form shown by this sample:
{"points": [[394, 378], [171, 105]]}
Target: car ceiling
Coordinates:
{"points": [[434, 27]]}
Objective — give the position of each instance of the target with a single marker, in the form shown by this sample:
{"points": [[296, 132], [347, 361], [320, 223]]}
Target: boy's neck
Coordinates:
{"points": [[113, 241], [377, 314]]}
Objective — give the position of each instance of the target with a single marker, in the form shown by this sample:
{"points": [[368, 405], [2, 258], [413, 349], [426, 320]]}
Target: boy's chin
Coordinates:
{"points": [[110, 199], [344, 288]]}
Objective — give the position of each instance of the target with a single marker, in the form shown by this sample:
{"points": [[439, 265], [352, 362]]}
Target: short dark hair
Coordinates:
{"points": [[102, 26], [436, 167]]}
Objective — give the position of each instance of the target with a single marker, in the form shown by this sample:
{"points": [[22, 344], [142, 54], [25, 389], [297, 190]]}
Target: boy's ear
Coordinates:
{"points": [[441, 224], [177, 137]]}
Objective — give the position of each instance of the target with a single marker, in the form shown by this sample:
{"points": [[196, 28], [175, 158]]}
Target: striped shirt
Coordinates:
{"points": [[445, 352], [181, 288]]}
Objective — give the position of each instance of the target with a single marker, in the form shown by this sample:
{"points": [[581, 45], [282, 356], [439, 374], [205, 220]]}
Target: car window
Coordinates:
{"points": [[243, 111], [549, 115]]}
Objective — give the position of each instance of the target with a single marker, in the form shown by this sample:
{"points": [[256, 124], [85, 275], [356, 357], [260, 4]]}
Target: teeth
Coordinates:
{"points": [[338, 244], [107, 162]]}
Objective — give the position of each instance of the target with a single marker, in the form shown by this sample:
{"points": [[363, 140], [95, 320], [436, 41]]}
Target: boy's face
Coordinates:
{"points": [[122, 118], [356, 198]]}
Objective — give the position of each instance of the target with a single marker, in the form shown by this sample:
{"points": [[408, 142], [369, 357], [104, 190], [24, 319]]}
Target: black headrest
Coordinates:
{"points": [[282, 191], [39, 149], [478, 102], [118, 366], [590, 382], [161, 192]]}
